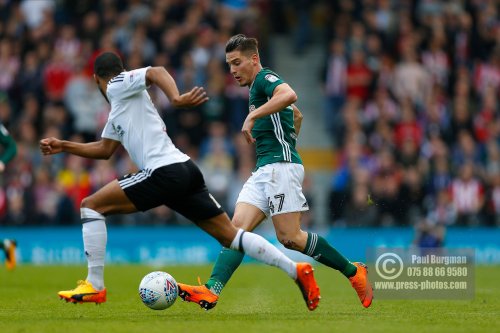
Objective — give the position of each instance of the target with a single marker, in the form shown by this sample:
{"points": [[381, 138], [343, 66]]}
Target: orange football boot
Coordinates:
{"points": [[361, 284], [83, 293], [307, 284], [198, 294]]}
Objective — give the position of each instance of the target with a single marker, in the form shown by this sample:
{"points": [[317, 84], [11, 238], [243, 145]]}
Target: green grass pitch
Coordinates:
{"points": [[258, 299]]}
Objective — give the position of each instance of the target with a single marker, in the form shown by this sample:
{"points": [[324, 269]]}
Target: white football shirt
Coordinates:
{"points": [[134, 121]]}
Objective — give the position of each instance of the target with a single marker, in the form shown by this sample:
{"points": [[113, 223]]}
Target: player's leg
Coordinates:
{"points": [[249, 212], [251, 209], [9, 247], [318, 248], [208, 215], [288, 231], [111, 199], [246, 217], [259, 248], [287, 202]]}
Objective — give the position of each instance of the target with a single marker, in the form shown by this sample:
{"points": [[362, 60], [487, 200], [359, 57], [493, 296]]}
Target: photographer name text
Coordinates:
{"points": [[440, 260]]}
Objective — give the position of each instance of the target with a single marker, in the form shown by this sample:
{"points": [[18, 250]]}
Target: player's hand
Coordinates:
{"points": [[2, 167], [193, 98], [247, 129], [50, 146]]}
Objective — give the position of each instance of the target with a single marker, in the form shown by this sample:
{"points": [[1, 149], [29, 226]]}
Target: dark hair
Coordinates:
{"points": [[242, 43], [108, 64]]}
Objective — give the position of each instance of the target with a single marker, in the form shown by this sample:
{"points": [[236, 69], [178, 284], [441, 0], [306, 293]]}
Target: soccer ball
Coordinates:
{"points": [[158, 290]]}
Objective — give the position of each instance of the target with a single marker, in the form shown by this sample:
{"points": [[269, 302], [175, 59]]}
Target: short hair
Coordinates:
{"points": [[242, 43], [108, 64]]}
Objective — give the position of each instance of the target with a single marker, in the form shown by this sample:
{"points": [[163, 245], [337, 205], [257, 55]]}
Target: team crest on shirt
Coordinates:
{"points": [[118, 130], [251, 108], [271, 78]]}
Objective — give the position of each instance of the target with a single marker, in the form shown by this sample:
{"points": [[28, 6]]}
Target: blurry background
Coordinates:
{"points": [[401, 127]]}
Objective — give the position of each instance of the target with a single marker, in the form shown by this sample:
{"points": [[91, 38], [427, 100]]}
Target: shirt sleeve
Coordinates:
{"points": [[269, 82], [109, 132], [133, 82]]}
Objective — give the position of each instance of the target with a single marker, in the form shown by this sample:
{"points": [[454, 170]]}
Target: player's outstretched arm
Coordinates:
{"points": [[102, 149], [297, 118], [163, 79]]}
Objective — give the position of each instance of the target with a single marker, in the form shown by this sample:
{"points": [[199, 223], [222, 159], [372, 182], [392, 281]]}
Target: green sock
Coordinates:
{"points": [[318, 248], [227, 262]]}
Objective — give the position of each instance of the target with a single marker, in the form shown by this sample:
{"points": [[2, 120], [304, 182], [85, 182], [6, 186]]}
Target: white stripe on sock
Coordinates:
{"points": [[312, 245]]}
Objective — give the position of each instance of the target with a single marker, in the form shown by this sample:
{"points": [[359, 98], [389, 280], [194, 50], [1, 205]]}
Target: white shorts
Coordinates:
{"points": [[276, 189]]}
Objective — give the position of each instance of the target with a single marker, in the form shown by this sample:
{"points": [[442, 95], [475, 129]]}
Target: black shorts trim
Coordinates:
{"points": [[180, 186]]}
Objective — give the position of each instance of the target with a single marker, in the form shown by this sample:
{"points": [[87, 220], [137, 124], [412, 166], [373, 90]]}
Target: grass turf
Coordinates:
{"points": [[257, 299]]}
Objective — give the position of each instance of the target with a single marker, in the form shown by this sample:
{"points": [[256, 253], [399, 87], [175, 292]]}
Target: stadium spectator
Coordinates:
{"points": [[411, 80], [358, 76], [84, 104], [467, 195], [335, 86]]}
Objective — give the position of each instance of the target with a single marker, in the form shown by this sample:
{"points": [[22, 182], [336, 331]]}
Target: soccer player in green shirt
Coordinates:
{"points": [[9, 151], [275, 187]]}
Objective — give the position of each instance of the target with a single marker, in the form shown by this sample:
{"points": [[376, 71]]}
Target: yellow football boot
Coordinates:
{"points": [[84, 292]]}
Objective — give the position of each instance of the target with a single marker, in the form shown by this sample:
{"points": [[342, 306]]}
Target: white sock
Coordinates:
{"points": [[259, 248], [94, 243]]}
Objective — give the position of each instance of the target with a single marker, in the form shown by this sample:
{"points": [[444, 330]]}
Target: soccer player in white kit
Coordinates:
{"points": [[166, 176]]}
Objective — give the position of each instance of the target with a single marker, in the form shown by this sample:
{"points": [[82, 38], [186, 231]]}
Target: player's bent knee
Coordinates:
{"points": [[238, 223], [89, 203], [86, 203]]}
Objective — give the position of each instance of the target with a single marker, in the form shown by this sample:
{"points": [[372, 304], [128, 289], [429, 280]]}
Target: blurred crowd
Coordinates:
{"points": [[411, 101], [47, 49], [411, 96]]}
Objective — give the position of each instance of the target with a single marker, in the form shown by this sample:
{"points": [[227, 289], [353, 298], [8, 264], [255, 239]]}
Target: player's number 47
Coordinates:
{"points": [[280, 198]]}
